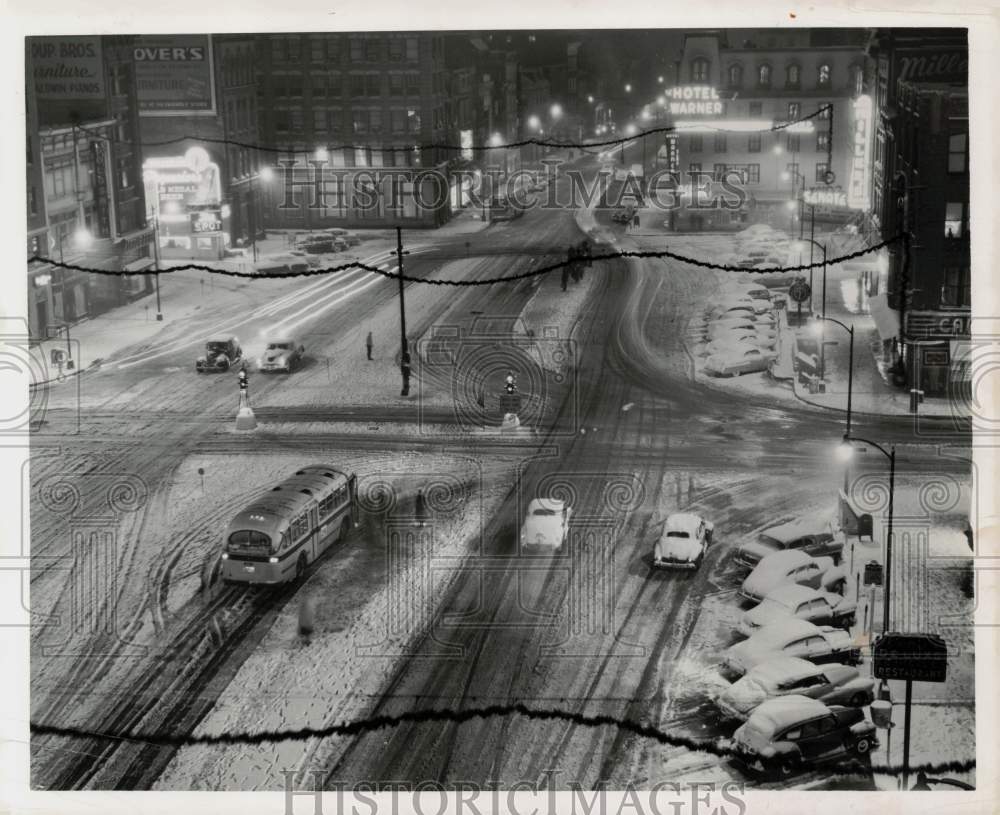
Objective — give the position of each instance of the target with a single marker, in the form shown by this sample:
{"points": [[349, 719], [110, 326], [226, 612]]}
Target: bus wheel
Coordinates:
{"points": [[300, 566]]}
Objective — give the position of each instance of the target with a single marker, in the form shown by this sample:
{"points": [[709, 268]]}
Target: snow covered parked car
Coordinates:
{"points": [[783, 735], [547, 523], [816, 536], [792, 600], [684, 542], [792, 566], [791, 638], [739, 360], [832, 684]]}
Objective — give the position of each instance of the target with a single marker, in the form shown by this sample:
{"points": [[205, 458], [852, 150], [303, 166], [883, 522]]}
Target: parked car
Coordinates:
{"points": [[547, 523], [281, 355], [282, 264], [792, 566], [792, 600], [818, 537], [786, 734], [753, 291], [738, 361], [684, 541], [791, 638], [740, 303], [220, 355], [312, 260], [726, 345], [745, 336], [717, 327], [730, 309], [831, 684], [351, 239]]}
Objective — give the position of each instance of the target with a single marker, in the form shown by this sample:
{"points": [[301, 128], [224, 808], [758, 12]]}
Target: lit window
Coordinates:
{"points": [[735, 75], [764, 75], [823, 75], [954, 220], [793, 75], [699, 70]]}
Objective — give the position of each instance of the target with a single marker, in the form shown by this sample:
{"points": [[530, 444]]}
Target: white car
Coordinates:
{"points": [[281, 355], [756, 335], [547, 524], [741, 303], [792, 600], [738, 361], [718, 327], [792, 566], [754, 292], [684, 542], [725, 345], [830, 684], [791, 638]]}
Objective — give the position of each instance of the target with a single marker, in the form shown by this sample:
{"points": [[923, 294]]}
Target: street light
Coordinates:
{"points": [[845, 453], [534, 122], [822, 248], [556, 111], [590, 100], [265, 174], [818, 330], [628, 87]]}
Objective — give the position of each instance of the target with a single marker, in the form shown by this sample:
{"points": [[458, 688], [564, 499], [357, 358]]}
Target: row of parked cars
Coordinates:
{"points": [[796, 690], [738, 334], [308, 252]]}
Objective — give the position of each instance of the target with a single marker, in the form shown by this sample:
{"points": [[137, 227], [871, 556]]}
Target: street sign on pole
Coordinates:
{"points": [[913, 657], [799, 291]]}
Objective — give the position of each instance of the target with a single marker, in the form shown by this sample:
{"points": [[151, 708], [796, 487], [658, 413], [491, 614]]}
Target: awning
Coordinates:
{"points": [[886, 318], [139, 265]]}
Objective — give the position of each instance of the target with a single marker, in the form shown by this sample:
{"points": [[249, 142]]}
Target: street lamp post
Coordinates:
{"points": [[850, 373], [822, 247], [156, 260], [847, 451]]}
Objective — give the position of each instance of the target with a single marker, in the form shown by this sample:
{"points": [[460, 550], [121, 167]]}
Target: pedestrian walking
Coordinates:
{"points": [[368, 345], [635, 221]]}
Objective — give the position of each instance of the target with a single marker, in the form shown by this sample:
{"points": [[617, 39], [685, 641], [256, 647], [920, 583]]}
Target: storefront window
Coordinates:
{"points": [[957, 287]]}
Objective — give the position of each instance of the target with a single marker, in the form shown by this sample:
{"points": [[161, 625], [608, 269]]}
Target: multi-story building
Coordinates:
{"points": [[920, 186], [356, 116], [85, 197], [779, 115]]}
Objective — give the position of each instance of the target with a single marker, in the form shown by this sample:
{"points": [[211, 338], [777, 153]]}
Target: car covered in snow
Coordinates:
{"points": [[832, 684], [220, 355], [684, 541], [792, 600], [783, 736], [740, 303], [546, 524], [739, 360], [816, 536], [727, 345], [792, 566], [281, 355], [791, 638], [751, 290], [717, 328]]}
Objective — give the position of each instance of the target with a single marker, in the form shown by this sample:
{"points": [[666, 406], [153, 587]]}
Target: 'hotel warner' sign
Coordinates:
{"points": [[688, 99]]}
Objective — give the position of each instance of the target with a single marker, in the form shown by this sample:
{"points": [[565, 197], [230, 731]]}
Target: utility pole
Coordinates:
{"points": [[404, 344], [156, 264]]}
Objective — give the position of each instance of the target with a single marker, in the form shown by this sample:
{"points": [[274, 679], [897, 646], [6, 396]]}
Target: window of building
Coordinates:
{"points": [[756, 108], [794, 111], [753, 174], [764, 75], [372, 50], [822, 142], [357, 49], [821, 169], [317, 49], [954, 219], [360, 121], [373, 85], [124, 173], [396, 51], [857, 79], [397, 121], [297, 119], [957, 152], [293, 85], [412, 84], [956, 290], [793, 76], [357, 84], [735, 75], [824, 110], [333, 50], [793, 172], [694, 167], [375, 121], [395, 84], [414, 119], [753, 143], [792, 142], [823, 76], [294, 49], [412, 49], [319, 120], [694, 143], [282, 121], [720, 142], [699, 70]]}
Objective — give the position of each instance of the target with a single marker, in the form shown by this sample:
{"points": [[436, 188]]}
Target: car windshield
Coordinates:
{"points": [[218, 347], [776, 604], [770, 542], [677, 534], [543, 511], [278, 346]]}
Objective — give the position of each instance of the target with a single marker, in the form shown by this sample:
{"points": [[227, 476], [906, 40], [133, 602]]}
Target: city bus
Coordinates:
{"points": [[279, 534]]}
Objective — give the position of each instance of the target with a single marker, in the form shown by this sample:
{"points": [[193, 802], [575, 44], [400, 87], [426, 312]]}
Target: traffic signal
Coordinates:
{"points": [[244, 381], [511, 384]]}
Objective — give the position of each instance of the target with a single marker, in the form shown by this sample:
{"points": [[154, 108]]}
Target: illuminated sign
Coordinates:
{"points": [[858, 195], [741, 126], [206, 221], [825, 197], [174, 75], [687, 99], [933, 324]]}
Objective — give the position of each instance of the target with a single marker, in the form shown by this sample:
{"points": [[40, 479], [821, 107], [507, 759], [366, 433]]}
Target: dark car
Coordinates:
{"points": [[219, 356], [786, 734]]}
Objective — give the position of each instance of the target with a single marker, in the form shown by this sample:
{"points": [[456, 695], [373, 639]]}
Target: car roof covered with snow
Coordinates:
{"points": [[683, 522], [783, 669], [774, 715], [799, 528], [552, 504], [793, 595], [784, 631], [782, 560]]}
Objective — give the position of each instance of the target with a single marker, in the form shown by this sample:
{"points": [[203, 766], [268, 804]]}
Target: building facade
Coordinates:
{"points": [[920, 187], [353, 120], [779, 116], [85, 193]]}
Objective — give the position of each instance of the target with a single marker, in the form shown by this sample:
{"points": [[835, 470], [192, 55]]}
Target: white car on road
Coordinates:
{"points": [[547, 523], [684, 542]]}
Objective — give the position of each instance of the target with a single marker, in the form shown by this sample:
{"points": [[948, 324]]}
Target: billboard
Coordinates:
{"points": [[175, 75], [66, 68]]}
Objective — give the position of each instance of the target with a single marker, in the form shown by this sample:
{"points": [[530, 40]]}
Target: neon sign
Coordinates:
{"points": [[858, 193], [688, 99]]}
